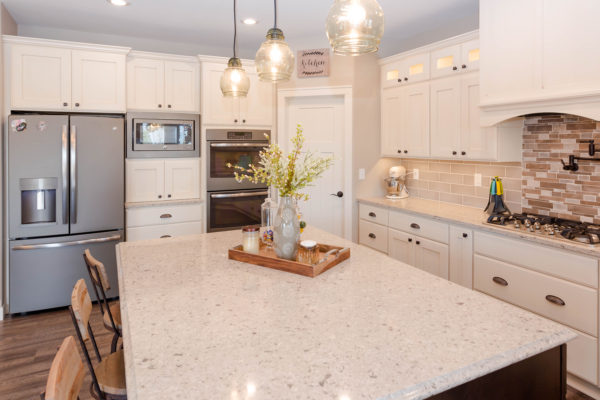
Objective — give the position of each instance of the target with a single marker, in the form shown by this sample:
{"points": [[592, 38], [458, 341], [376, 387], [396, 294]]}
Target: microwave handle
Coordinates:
{"points": [[234, 195]]}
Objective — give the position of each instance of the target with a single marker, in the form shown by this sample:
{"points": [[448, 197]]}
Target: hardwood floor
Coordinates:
{"points": [[28, 345]]}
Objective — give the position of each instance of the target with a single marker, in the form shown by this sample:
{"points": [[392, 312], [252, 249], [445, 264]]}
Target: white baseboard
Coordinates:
{"points": [[583, 386], [1, 312]]}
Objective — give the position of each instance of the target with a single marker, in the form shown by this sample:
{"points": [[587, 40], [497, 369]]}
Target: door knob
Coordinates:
{"points": [[338, 194]]}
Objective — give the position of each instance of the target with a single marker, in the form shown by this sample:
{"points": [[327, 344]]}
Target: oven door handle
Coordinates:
{"points": [[234, 195], [257, 145]]}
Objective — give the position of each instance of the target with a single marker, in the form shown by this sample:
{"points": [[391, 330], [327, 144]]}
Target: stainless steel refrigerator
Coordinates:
{"points": [[65, 182]]}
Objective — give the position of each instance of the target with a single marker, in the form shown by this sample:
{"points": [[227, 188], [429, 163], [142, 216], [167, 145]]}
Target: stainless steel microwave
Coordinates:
{"points": [[162, 135]]}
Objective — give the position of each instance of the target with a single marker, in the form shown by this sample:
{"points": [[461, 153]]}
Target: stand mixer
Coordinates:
{"points": [[394, 183]]}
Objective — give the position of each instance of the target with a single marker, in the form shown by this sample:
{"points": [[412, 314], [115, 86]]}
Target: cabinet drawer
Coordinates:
{"points": [[423, 227], [530, 290], [162, 231], [582, 357], [563, 264], [143, 216], [373, 235], [379, 215]]}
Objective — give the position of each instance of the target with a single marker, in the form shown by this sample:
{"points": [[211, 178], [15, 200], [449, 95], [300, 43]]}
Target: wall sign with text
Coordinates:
{"points": [[313, 63]]}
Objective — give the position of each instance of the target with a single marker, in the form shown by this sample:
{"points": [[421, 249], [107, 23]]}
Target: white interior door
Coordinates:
{"points": [[324, 118]]}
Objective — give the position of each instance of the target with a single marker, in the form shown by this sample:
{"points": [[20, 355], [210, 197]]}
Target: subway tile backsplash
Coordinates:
{"points": [[454, 181]]}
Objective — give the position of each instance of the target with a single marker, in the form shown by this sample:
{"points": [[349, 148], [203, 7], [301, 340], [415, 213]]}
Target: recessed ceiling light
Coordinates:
{"points": [[249, 21], [118, 3]]}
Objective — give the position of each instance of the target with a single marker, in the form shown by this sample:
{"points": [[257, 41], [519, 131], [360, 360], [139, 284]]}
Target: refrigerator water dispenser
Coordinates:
{"points": [[38, 200]]}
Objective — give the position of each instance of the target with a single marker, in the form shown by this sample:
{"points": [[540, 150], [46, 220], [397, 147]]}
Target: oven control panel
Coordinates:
{"points": [[239, 135]]}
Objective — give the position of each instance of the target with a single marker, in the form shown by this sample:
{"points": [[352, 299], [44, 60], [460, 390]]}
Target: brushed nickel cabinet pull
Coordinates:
{"points": [[500, 281], [165, 236], [555, 300], [166, 216], [415, 226], [372, 235], [372, 214]]}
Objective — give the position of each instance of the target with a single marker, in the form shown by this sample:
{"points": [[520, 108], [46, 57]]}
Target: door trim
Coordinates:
{"points": [[283, 96]]}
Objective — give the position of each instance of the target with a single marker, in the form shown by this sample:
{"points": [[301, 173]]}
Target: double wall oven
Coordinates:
{"points": [[232, 204]]}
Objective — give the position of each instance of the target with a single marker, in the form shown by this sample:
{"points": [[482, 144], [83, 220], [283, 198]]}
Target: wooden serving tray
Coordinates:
{"points": [[267, 258]]}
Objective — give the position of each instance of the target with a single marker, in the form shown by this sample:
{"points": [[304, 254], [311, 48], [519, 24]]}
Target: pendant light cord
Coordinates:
{"points": [[234, 28], [275, 12]]}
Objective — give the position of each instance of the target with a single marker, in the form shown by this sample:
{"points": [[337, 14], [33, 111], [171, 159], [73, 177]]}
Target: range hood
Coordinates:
{"points": [[539, 56]]}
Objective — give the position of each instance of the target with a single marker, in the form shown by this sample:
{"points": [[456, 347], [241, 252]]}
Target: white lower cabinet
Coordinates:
{"points": [[425, 254], [373, 235], [461, 256], [154, 222]]}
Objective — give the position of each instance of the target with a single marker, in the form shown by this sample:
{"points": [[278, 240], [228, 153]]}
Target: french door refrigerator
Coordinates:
{"points": [[65, 182]]}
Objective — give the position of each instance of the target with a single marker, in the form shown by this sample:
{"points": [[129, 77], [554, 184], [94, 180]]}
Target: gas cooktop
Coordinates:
{"points": [[581, 232]]}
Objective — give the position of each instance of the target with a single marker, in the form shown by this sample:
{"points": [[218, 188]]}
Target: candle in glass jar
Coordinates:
{"points": [[250, 239]]}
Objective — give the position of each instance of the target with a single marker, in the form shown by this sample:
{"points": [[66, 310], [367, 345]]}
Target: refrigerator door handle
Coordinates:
{"points": [[112, 238], [65, 174], [73, 174]]}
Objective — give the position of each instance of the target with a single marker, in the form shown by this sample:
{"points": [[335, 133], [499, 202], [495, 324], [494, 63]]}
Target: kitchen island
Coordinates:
{"points": [[199, 326]]}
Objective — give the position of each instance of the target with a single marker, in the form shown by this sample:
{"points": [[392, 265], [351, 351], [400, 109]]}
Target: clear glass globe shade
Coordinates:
{"points": [[234, 81], [355, 26], [274, 60]]}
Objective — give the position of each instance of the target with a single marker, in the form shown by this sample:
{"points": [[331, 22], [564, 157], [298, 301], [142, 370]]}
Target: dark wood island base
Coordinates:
{"points": [[541, 377]]}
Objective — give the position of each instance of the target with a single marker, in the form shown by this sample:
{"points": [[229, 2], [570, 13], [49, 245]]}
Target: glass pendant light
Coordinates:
{"points": [[234, 81], [274, 59], [355, 27]]}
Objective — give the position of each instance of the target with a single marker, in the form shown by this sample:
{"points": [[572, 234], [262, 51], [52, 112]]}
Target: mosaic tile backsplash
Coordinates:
{"points": [[538, 184], [547, 188]]}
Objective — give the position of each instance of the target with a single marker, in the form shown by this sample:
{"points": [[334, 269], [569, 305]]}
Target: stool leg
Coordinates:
{"points": [[113, 345]]}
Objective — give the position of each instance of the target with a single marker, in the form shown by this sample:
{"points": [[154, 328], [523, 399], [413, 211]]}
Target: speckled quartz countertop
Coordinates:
{"points": [[475, 218], [199, 326]]}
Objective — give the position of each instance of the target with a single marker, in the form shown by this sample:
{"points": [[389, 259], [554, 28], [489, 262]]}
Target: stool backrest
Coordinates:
{"points": [[98, 272], [82, 307], [66, 373]]}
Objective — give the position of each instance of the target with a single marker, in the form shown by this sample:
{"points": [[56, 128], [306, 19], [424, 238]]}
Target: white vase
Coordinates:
{"points": [[286, 232]]}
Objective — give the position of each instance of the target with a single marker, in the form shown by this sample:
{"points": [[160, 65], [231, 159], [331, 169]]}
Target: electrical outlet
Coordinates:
{"points": [[361, 174], [416, 174], [478, 180]]}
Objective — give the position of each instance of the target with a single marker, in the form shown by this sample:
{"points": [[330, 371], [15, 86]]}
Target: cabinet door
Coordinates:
{"points": [[145, 84], [416, 68], [40, 78], [461, 256], [476, 142], [98, 81], [391, 121], [469, 55], [182, 87], [445, 61], [216, 108], [445, 118], [432, 257], [145, 180], [182, 179], [401, 246], [257, 108], [392, 74], [415, 120]]}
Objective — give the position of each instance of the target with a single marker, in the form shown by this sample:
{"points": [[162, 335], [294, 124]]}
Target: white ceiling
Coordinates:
{"points": [[209, 22]]}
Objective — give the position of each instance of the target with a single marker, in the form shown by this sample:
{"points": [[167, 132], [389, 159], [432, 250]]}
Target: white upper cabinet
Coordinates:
{"points": [[47, 75], [414, 68], [40, 77], [455, 59], [539, 50], [157, 82], [445, 117], [254, 110], [182, 84], [145, 84], [98, 80], [391, 121]]}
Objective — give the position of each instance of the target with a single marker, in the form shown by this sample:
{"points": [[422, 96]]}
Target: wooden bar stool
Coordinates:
{"points": [[108, 377], [111, 313], [66, 373]]}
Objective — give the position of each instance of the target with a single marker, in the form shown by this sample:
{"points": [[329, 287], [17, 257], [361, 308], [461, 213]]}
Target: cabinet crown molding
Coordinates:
{"points": [[162, 56], [8, 39], [223, 60]]}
